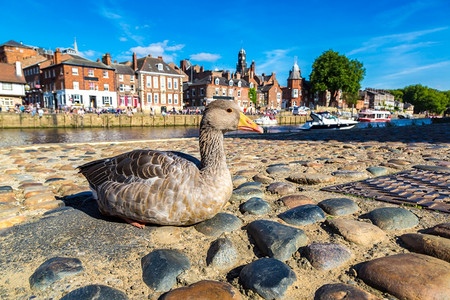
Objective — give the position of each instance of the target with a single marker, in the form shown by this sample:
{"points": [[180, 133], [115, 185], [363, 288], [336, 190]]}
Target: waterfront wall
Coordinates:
{"points": [[14, 120]]}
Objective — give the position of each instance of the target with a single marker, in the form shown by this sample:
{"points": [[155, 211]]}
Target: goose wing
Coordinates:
{"points": [[138, 166]]}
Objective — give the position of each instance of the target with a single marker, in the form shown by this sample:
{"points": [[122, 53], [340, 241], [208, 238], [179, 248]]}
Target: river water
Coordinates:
{"points": [[17, 137]]}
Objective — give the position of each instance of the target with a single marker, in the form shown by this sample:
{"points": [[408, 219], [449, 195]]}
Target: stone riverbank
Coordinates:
{"points": [[279, 236]]}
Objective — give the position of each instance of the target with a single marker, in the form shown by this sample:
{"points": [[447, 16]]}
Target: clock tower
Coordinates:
{"points": [[241, 65]]}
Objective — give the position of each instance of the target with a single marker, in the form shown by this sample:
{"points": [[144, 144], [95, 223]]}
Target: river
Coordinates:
{"points": [[17, 137]]}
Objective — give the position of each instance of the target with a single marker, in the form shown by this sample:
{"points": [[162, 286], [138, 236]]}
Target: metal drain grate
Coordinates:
{"points": [[428, 189]]}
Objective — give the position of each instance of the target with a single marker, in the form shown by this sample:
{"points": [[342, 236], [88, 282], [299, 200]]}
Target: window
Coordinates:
{"points": [[74, 71], [294, 93], [278, 96], [106, 100], [163, 98], [120, 77], [45, 74], [160, 67], [7, 86], [105, 74], [175, 83], [216, 81], [239, 84], [121, 87], [91, 86], [149, 98], [6, 102], [53, 72], [169, 99], [91, 73], [239, 93], [131, 78], [175, 99], [163, 83], [155, 98], [251, 85], [122, 101], [132, 87], [106, 87], [76, 85], [193, 92], [230, 92], [169, 83], [149, 81], [230, 83], [224, 91], [155, 82], [217, 91], [202, 92]]}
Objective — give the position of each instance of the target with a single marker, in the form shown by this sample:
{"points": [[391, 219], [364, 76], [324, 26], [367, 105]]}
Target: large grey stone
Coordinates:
{"points": [[53, 270], [303, 215], [378, 171], [222, 254], [393, 218], [268, 277], [276, 240], [160, 268], [255, 206], [311, 178], [95, 292], [220, 223], [327, 256], [357, 232], [339, 206], [282, 188]]}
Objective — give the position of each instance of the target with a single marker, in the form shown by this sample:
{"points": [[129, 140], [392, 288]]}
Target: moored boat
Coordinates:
{"points": [[374, 116], [266, 120], [325, 120]]}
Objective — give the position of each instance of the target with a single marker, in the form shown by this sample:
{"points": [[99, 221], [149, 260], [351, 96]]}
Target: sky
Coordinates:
{"points": [[399, 42]]}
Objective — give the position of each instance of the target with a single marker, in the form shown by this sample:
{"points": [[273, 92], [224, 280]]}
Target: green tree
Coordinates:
{"points": [[333, 72], [398, 94], [350, 98], [252, 95], [425, 99]]}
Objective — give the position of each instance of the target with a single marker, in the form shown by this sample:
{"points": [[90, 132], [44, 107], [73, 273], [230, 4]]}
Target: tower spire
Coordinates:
{"points": [[75, 47]]}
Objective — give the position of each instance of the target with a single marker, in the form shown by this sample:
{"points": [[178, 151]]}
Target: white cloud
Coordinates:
{"points": [[205, 57], [418, 69], [158, 49], [123, 39], [91, 54], [375, 43]]}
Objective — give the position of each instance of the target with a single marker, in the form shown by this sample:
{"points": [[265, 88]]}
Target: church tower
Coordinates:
{"points": [[294, 83], [241, 65]]}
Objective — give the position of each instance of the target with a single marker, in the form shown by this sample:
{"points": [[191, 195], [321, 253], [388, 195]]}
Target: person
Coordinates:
{"points": [[40, 112]]}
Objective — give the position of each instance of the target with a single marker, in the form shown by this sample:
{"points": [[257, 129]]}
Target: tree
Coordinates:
{"points": [[333, 72], [252, 95], [425, 99]]}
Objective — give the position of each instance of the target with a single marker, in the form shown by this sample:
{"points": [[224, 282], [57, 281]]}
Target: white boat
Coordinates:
{"points": [[266, 120], [325, 120], [374, 116]]}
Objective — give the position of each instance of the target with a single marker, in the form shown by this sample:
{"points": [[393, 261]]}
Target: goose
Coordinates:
{"points": [[169, 187]]}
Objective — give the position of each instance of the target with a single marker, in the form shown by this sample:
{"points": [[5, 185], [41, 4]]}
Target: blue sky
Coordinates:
{"points": [[399, 42]]}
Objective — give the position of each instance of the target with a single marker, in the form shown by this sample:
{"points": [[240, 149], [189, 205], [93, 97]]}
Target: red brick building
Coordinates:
{"points": [[78, 82], [294, 90]]}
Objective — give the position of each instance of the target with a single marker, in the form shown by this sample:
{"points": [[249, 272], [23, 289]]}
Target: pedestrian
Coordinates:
{"points": [[40, 112]]}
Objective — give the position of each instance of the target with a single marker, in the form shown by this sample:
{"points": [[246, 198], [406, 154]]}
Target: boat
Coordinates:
{"points": [[374, 116], [325, 120], [266, 120]]}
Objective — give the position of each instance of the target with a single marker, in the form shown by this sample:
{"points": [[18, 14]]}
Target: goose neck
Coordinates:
{"points": [[211, 149]]}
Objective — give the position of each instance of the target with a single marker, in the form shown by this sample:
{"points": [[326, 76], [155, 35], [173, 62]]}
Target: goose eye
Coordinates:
{"points": [[230, 110]]}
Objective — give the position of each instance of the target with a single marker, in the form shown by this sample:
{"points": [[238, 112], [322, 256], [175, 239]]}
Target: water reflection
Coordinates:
{"points": [[16, 137]]}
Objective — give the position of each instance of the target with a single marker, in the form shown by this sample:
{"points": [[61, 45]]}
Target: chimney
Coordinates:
{"points": [[149, 55], [106, 59], [57, 57], [18, 69], [134, 61], [98, 59], [202, 69], [238, 75], [160, 57], [183, 65], [115, 61], [212, 79], [228, 75]]}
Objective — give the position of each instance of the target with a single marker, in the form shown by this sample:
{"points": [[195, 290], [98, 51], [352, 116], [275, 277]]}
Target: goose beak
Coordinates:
{"points": [[246, 124]]}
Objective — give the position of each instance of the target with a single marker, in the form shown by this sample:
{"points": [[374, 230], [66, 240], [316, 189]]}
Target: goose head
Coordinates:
{"points": [[225, 115]]}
